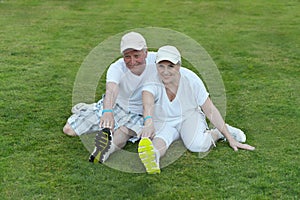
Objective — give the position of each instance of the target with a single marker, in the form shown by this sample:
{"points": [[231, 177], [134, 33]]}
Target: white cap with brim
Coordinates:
{"points": [[134, 41], [168, 53]]}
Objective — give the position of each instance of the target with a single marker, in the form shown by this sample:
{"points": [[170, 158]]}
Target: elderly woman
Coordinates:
{"points": [[176, 105]]}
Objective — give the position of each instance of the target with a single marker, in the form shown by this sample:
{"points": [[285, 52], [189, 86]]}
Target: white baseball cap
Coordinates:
{"points": [[169, 53], [132, 40]]}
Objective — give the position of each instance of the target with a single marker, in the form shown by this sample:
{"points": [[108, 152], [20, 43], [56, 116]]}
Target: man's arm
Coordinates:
{"points": [[111, 93]]}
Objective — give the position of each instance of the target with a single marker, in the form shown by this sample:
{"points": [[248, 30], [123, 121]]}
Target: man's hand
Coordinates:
{"points": [[107, 121]]}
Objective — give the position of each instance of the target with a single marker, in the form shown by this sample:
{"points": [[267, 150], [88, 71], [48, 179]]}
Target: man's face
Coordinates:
{"points": [[168, 72], [135, 60]]}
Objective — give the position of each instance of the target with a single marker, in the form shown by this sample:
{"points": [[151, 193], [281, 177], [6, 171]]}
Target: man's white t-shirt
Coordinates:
{"points": [[130, 85], [190, 95]]}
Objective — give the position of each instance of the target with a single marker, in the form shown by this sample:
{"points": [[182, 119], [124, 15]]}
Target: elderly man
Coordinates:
{"points": [[118, 115]]}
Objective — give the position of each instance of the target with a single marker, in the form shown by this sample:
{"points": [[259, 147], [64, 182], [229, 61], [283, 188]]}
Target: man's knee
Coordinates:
{"points": [[69, 130], [126, 131], [121, 136]]}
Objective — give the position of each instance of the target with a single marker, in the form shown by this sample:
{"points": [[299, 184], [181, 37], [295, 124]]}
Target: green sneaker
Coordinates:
{"points": [[148, 156]]}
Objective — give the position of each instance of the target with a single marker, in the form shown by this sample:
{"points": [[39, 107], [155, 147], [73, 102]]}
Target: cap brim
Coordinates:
{"points": [[132, 48], [174, 61]]}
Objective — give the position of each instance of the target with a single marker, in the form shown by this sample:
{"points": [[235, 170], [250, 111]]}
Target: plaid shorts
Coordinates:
{"points": [[87, 119]]}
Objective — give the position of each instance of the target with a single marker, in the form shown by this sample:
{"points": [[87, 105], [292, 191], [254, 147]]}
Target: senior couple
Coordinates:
{"points": [[150, 96]]}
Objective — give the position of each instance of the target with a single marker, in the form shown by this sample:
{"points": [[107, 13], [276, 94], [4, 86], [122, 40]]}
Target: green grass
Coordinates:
{"points": [[255, 46]]}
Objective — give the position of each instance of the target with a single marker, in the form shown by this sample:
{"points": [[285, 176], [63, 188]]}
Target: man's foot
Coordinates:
{"points": [[148, 156], [236, 133], [103, 143]]}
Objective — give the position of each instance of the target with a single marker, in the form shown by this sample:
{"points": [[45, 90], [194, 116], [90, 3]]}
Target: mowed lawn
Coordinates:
{"points": [[255, 46]]}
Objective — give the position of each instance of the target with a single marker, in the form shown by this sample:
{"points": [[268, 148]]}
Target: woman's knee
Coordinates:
{"points": [[198, 149], [199, 146]]}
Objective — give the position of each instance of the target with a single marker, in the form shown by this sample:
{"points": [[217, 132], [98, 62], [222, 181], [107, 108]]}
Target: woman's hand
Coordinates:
{"points": [[236, 146]]}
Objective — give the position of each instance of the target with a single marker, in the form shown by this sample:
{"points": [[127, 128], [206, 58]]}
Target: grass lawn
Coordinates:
{"points": [[255, 46]]}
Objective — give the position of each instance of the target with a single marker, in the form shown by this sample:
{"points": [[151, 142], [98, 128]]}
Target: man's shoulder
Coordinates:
{"points": [[151, 57], [118, 64], [152, 53]]}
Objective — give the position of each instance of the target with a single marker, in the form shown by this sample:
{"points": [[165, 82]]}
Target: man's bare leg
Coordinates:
{"points": [[121, 136]]}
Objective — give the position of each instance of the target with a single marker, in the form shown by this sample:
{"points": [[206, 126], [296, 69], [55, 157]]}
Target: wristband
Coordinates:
{"points": [[147, 117], [107, 110]]}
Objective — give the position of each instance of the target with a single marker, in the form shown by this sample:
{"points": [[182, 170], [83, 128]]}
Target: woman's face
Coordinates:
{"points": [[168, 72]]}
